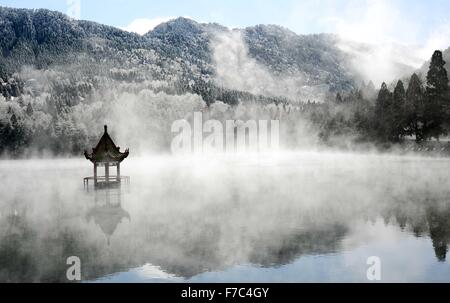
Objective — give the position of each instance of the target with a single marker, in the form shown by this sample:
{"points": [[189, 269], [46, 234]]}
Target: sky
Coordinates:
{"points": [[411, 22]]}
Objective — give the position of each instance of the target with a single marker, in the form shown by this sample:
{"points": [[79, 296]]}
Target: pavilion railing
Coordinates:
{"points": [[102, 180]]}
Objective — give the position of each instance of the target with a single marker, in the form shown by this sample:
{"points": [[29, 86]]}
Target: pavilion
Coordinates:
{"points": [[106, 154]]}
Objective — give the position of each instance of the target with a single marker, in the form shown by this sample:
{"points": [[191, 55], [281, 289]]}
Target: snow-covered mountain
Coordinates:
{"points": [[61, 79], [180, 48], [185, 51]]}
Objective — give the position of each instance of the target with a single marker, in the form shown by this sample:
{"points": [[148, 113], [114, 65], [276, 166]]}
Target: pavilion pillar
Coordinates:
{"points": [[107, 172], [118, 171], [95, 174]]}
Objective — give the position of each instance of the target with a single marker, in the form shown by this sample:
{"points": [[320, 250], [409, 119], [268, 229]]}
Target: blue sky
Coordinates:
{"points": [[403, 21]]}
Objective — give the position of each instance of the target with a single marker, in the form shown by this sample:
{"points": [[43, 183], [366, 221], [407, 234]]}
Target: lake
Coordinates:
{"points": [[288, 217]]}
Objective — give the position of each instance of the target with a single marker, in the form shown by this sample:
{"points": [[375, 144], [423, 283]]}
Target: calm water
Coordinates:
{"points": [[304, 217]]}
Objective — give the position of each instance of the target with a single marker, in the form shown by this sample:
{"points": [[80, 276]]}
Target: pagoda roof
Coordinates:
{"points": [[106, 150], [108, 217]]}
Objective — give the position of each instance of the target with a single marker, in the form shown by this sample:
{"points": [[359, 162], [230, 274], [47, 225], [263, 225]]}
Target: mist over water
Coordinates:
{"points": [[302, 216], [305, 213]]}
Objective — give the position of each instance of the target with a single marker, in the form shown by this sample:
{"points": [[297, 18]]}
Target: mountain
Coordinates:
{"points": [[184, 38], [177, 51], [61, 79], [316, 57], [44, 39]]}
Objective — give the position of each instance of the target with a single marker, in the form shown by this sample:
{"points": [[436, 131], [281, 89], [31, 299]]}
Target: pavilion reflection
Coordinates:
{"points": [[107, 212]]}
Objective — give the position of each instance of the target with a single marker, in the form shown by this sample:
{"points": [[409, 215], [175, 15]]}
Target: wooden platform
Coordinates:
{"points": [[112, 181]]}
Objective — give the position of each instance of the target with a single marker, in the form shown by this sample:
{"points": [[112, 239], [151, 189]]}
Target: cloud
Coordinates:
{"points": [[144, 25], [385, 42], [374, 22], [370, 21], [236, 69], [393, 40], [438, 39]]}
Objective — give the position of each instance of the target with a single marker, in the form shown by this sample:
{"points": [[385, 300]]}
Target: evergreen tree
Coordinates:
{"points": [[338, 98], [12, 137], [29, 110], [14, 121], [414, 108], [437, 97], [383, 114], [362, 116], [397, 112]]}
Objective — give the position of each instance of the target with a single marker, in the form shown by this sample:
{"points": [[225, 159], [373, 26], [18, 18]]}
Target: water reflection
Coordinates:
{"points": [[439, 225], [15, 263], [108, 212], [178, 224], [435, 224]]}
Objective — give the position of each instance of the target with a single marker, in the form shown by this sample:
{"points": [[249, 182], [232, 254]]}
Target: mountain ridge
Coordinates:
{"points": [[44, 38]]}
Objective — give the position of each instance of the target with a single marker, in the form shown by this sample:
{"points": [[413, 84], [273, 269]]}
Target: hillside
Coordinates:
{"points": [[45, 39], [62, 79]]}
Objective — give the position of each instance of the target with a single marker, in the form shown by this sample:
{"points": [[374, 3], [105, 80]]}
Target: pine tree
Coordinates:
{"points": [[362, 119], [14, 121], [414, 108], [14, 135], [437, 92], [397, 112], [383, 114], [29, 109], [338, 98]]}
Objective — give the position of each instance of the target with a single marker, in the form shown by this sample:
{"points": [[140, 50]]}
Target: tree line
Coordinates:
{"points": [[421, 110], [61, 118], [418, 110]]}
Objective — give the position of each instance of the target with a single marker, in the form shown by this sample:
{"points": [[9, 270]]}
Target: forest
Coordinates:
{"points": [[62, 116], [61, 80], [419, 111]]}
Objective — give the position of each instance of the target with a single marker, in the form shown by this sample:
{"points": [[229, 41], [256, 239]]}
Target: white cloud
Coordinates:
{"points": [[144, 25], [438, 39], [394, 40], [397, 42], [236, 69], [374, 22]]}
